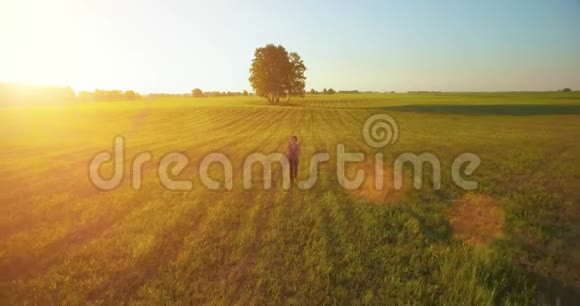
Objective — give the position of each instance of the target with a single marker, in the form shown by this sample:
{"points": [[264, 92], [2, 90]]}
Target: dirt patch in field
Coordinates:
{"points": [[476, 219], [368, 191]]}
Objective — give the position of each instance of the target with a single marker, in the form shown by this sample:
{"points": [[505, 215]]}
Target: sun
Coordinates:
{"points": [[41, 46]]}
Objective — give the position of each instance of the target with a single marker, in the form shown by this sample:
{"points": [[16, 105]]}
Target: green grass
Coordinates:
{"points": [[63, 241]]}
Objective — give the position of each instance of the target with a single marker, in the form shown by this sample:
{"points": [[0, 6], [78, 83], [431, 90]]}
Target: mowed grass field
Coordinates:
{"points": [[515, 240]]}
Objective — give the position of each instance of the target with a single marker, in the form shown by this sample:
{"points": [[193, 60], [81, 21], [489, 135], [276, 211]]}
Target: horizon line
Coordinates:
{"points": [[77, 91]]}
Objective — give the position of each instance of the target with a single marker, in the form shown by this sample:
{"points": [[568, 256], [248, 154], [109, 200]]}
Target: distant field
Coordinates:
{"points": [[515, 240]]}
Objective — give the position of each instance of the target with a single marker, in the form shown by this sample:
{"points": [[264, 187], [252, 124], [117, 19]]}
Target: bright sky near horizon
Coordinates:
{"points": [[174, 46]]}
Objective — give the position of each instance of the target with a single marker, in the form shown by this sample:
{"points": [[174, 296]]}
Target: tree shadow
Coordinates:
{"points": [[550, 291], [494, 109]]}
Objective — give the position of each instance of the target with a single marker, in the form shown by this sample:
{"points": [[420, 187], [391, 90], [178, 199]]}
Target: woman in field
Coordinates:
{"points": [[293, 153]]}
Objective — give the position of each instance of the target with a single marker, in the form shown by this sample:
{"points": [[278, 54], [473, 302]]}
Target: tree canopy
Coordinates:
{"points": [[276, 74], [196, 92]]}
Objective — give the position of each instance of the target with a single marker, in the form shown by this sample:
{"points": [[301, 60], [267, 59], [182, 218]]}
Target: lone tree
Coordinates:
{"points": [[197, 92], [276, 74]]}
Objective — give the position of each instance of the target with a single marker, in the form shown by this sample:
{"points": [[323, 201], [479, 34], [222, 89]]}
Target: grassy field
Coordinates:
{"points": [[513, 241]]}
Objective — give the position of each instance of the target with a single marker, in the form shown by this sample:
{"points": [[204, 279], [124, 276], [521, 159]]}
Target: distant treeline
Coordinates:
{"points": [[227, 93], [108, 95], [325, 91], [198, 93], [331, 91], [19, 94], [490, 92]]}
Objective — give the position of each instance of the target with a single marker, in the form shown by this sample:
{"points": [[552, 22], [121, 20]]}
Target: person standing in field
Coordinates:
{"points": [[293, 153]]}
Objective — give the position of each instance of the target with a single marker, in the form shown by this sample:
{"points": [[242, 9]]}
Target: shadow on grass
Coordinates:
{"points": [[495, 109], [554, 292]]}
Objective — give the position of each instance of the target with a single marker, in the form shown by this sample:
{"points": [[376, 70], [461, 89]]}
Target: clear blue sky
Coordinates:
{"points": [[174, 46]]}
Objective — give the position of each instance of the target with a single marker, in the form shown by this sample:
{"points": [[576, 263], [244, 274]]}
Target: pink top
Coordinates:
{"points": [[293, 150]]}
